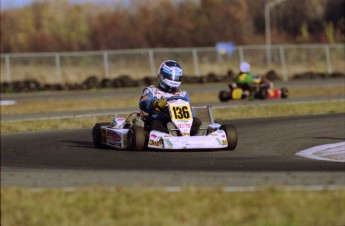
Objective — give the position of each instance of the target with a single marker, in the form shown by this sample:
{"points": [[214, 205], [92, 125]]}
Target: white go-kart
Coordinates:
{"points": [[133, 134]]}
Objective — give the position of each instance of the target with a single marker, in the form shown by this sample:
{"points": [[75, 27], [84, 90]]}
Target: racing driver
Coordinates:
{"points": [[248, 81], [154, 99]]}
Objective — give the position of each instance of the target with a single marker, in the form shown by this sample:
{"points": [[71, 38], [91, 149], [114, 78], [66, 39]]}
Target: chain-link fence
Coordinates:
{"points": [[73, 67]]}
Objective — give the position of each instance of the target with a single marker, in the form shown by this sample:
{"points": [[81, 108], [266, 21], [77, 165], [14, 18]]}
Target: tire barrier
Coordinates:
{"points": [[93, 82]]}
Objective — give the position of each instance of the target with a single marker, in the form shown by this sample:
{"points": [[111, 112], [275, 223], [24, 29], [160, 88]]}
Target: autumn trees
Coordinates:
{"points": [[59, 26]]}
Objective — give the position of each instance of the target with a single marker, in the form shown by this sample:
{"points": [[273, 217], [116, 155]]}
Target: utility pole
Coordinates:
{"points": [[268, 6]]}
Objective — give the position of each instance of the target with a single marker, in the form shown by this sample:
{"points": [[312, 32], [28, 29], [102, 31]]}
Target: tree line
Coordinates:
{"points": [[49, 25]]}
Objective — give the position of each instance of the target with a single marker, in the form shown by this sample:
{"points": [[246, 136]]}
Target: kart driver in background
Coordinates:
{"points": [[244, 78], [154, 99], [247, 81]]}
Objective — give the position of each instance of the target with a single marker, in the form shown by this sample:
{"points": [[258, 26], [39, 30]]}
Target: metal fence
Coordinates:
{"points": [[73, 67]]}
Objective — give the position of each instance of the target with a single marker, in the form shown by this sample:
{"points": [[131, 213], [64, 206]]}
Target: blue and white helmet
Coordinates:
{"points": [[170, 75]]}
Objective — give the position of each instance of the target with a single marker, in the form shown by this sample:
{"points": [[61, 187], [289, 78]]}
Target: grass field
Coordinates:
{"points": [[192, 206], [219, 114], [199, 206]]}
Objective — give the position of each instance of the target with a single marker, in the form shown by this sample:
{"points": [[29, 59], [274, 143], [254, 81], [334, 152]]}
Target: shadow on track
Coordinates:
{"points": [[81, 144], [89, 145], [330, 138]]}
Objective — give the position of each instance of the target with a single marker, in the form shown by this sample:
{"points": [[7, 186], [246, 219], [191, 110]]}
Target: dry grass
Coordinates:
{"points": [[68, 105], [191, 206], [220, 114], [276, 110]]}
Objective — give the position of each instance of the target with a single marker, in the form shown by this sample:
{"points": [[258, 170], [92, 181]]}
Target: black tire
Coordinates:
{"points": [[263, 94], [136, 138], [224, 96], [231, 136], [284, 92], [97, 134]]}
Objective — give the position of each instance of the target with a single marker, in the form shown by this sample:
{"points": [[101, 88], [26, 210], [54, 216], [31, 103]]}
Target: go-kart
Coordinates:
{"points": [[262, 90], [133, 133]]}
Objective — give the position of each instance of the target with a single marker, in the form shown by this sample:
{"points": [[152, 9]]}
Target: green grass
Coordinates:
{"points": [[192, 206]]}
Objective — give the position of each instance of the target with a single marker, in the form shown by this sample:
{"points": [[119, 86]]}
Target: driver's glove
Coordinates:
{"points": [[161, 103]]}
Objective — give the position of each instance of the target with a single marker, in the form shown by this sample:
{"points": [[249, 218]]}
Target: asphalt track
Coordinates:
{"points": [[265, 155]]}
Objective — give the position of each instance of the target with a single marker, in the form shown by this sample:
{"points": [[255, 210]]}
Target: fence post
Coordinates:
{"points": [[8, 68], [58, 68], [283, 63], [152, 62], [241, 53], [106, 64], [328, 60], [196, 63]]}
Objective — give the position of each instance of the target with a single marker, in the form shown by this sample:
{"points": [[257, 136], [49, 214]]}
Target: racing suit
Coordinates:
{"points": [[160, 117], [244, 79]]}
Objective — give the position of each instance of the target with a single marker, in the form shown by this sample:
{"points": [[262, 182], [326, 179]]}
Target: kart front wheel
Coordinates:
{"points": [[262, 94], [97, 134], [224, 96], [136, 138], [231, 136]]}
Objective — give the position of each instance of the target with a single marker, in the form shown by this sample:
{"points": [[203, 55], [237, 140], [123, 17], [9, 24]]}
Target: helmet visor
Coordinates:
{"points": [[172, 77], [173, 74]]}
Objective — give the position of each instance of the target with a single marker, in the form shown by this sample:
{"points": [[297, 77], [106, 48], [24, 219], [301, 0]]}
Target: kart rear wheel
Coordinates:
{"points": [[284, 92], [224, 96], [231, 136], [136, 138], [97, 134]]}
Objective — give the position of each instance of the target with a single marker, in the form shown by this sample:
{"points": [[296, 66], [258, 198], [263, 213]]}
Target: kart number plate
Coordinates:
{"points": [[181, 116], [180, 111], [237, 94]]}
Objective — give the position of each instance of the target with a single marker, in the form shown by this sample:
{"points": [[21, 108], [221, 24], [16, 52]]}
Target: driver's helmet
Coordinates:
{"points": [[244, 67], [169, 76]]}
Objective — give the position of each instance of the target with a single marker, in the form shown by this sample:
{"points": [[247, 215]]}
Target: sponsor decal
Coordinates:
{"points": [[217, 139], [182, 121], [168, 142], [153, 135], [184, 126], [113, 135], [155, 143], [224, 142], [114, 142]]}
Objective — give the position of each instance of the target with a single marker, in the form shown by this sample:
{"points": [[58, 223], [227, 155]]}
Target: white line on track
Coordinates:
{"points": [[328, 152], [7, 102]]}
